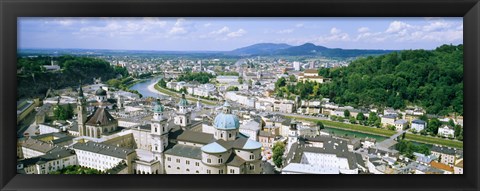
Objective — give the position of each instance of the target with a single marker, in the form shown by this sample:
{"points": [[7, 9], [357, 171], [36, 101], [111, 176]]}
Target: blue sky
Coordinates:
{"points": [[222, 34]]}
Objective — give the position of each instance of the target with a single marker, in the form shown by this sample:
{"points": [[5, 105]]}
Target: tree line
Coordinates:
{"points": [[33, 80], [432, 79]]}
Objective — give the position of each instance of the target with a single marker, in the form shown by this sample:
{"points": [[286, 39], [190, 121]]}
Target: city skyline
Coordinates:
{"points": [[225, 34]]}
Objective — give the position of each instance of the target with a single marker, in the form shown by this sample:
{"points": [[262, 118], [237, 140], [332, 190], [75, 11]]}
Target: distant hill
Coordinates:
{"points": [[260, 49], [265, 49]]}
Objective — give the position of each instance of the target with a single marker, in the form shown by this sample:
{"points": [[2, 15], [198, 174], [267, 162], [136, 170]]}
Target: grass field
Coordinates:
{"points": [[434, 140], [384, 132], [352, 127]]}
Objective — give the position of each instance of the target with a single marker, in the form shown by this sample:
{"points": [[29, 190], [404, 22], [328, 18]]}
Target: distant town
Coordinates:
{"points": [[107, 112]]}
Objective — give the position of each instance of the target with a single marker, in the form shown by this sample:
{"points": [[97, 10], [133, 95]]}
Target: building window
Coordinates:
{"points": [[220, 171], [169, 166], [178, 160], [252, 167], [197, 164], [155, 129], [232, 171], [209, 160], [229, 135], [220, 160], [187, 162], [178, 168], [209, 172], [169, 159], [188, 170], [252, 157]]}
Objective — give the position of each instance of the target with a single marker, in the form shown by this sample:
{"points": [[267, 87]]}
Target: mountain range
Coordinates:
{"points": [[260, 49], [307, 49]]}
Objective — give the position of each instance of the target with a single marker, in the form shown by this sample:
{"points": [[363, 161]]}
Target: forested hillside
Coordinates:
{"points": [[430, 79], [33, 79]]}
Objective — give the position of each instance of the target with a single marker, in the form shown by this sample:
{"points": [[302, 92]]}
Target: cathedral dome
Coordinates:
{"points": [[101, 92], [226, 121], [158, 108], [183, 101]]}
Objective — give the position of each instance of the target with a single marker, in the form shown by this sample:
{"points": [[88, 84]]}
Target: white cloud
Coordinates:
{"points": [[207, 24], [285, 31], [397, 26], [299, 25], [223, 30], [107, 28], [154, 21], [179, 27], [335, 31], [437, 25], [65, 22], [238, 33], [363, 29]]}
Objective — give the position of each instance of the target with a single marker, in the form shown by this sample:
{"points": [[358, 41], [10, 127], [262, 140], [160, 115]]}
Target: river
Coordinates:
{"points": [[142, 88], [341, 132]]}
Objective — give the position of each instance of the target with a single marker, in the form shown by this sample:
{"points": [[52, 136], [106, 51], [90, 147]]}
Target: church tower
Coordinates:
{"points": [[81, 112], [120, 102], [183, 117], [159, 133], [292, 134]]}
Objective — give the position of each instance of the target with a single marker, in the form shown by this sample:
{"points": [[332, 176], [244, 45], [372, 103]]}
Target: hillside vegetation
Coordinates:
{"points": [[34, 80], [430, 79]]}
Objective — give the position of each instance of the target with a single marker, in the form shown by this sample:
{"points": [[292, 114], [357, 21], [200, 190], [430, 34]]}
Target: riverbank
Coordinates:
{"points": [[152, 89], [156, 88], [384, 132]]}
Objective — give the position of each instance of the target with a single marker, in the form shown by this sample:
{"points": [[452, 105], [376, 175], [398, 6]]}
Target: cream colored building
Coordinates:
{"points": [[102, 156], [227, 151], [50, 162]]}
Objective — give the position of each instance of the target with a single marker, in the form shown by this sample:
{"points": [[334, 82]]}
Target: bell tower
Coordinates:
{"points": [[183, 117], [81, 112]]}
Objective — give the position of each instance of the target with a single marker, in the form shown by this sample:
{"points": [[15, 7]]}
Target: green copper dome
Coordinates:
{"points": [[183, 101], [158, 108], [101, 92]]}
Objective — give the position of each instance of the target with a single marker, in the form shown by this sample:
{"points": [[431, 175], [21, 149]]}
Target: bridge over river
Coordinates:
{"points": [[387, 143]]}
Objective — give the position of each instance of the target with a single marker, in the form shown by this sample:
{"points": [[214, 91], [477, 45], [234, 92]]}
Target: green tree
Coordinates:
{"points": [[162, 83], [346, 113], [320, 125], [63, 112], [281, 82], [240, 80], [278, 150], [372, 118], [360, 116], [451, 123], [232, 88], [292, 78], [114, 83], [352, 120], [433, 126], [458, 130]]}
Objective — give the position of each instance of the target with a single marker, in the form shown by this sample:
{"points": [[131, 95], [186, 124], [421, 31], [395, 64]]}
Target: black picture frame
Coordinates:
{"points": [[10, 10]]}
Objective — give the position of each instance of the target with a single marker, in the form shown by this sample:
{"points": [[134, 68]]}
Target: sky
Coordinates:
{"points": [[224, 34]]}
